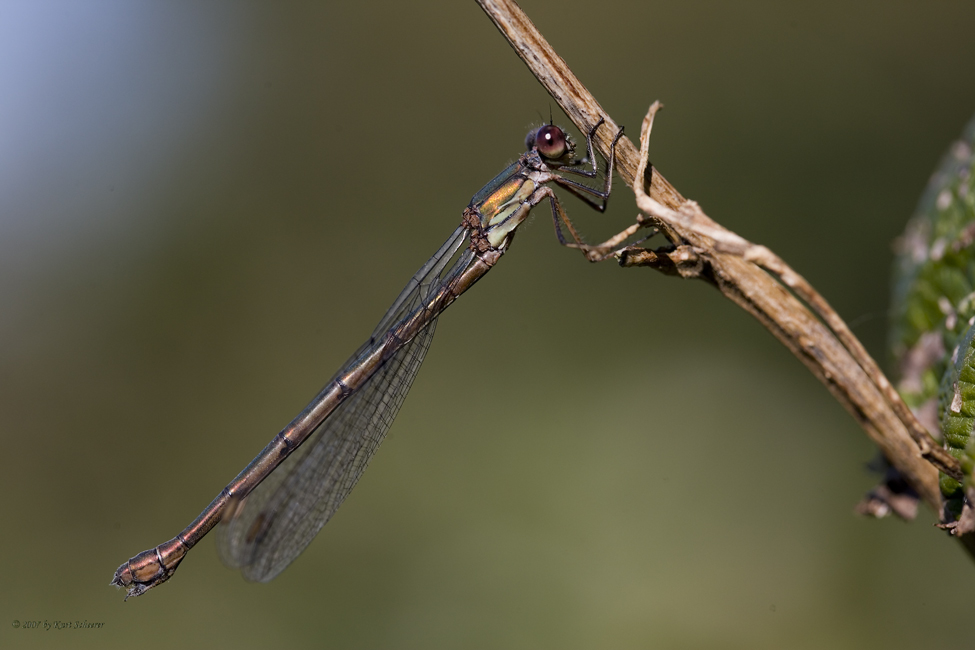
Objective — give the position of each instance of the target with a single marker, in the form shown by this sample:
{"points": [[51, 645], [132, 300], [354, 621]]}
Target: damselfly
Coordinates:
{"points": [[279, 502]]}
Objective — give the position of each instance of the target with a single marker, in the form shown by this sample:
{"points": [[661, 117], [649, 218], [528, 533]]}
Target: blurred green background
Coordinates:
{"points": [[205, 207]]}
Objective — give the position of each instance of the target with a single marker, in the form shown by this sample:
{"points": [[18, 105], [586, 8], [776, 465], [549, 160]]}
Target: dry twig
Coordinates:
{"points": [[752, 276]]}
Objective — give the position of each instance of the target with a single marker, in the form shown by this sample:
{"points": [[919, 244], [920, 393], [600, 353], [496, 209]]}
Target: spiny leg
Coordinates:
{"points": [[583, 191], [559, 214], [597, 253], [594, 254], [611, 247]]}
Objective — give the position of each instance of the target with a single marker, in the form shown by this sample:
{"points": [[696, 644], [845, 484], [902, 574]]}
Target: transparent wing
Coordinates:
{"points": [[280, 517]]}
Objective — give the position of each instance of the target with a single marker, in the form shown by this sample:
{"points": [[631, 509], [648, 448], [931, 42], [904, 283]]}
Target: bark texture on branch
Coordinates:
{"points": [[752, 276]]}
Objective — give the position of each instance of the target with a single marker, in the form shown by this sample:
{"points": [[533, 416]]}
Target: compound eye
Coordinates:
{"points": [[551, 141]]}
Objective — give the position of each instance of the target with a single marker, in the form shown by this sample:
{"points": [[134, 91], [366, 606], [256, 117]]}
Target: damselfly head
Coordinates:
{"points": [[551, 142]]}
